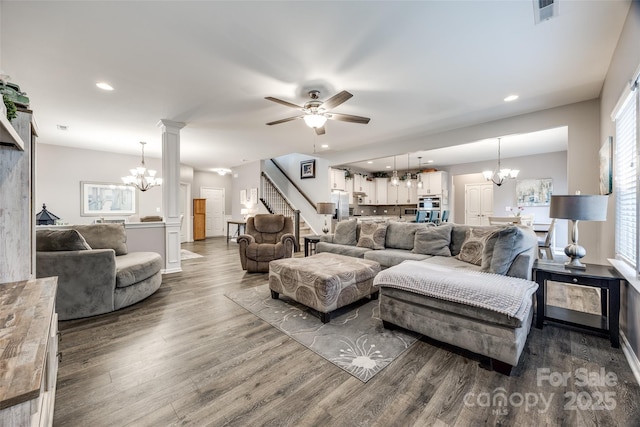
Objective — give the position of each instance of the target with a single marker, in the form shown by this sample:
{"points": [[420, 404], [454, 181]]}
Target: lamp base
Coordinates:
{"points": [[575, 252]]}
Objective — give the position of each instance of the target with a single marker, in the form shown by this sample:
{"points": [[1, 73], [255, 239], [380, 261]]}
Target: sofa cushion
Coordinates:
{"points": [[345, 233], [347, 250], [473, 245], [390, 257], [400, 235], [372, 235], [266, 223], [433, 241], [60, 240], [499, 252], [105, 236], [136, 267]]}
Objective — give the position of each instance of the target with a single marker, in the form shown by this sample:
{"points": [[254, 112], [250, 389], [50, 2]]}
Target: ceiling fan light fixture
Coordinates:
{"points": [[315, 120]]}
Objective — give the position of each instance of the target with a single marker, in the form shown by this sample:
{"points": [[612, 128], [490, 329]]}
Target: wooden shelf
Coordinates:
{"points": [[8, 135]]}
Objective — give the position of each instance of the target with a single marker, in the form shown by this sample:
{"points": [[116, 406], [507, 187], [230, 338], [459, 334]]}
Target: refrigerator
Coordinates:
{"points": [[341, 200]]}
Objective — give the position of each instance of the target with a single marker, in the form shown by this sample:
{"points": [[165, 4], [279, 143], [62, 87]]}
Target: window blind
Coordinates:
{"points": [[626, 156]]}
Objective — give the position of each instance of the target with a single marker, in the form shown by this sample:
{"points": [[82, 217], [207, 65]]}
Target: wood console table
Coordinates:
{"points": [[29, 358], [597, 276]]}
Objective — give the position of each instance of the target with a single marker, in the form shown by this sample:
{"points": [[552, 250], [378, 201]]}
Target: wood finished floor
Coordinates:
{"points": [[189, 356]]}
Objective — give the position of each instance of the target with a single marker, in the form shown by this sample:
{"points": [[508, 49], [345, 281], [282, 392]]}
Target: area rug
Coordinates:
{"points": [[354, 340], [185, 254]]}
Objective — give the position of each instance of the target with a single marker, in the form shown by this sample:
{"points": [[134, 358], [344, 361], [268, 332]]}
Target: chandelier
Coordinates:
{"points": [[420, 184], [395, 180], [498, 175], [139, 179]]}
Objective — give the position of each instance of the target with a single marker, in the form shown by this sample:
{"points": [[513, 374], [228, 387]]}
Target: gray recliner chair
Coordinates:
{"points": [[267, 237]]}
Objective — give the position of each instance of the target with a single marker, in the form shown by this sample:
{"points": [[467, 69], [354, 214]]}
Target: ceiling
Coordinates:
{"points": [[413, 68]]}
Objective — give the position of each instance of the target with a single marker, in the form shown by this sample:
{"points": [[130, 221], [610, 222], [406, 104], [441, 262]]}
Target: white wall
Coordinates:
{"points": [[244, 177], [213, 180], [59, 171]]}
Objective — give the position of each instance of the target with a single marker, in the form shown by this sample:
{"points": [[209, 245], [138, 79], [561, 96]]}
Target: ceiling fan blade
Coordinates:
{"points": [[288, 119], [336, 100], [285, 103], [320, 131], [348, 118]]}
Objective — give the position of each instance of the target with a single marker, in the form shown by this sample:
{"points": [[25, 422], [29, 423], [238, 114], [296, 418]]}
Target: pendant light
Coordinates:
{"points": [[395, 181], [420, 184], [141, 177], [407, 181]]}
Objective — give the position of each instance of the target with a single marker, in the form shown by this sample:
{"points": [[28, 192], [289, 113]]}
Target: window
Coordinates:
{"points": [[626, 178]]}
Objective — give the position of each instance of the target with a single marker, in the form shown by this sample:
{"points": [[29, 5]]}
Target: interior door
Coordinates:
{"points": [[478, 202], [215, 210]]}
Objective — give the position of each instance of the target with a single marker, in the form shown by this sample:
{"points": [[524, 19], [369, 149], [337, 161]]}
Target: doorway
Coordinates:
{"points": [[185, 213], [214, 217], [478, 203]]}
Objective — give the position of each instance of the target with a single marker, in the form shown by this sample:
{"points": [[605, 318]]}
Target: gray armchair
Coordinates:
{"points": [[267, 237]]}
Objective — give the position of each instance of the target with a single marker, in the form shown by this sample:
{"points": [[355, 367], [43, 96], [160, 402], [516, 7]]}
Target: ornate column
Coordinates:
{"points": [[171, 192]]}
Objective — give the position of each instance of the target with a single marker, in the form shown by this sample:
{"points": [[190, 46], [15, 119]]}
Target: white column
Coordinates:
{"points": [[171, 192]]}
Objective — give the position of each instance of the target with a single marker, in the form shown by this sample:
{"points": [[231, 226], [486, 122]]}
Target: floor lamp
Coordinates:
{"points": [[578, 208], [326, 209]]}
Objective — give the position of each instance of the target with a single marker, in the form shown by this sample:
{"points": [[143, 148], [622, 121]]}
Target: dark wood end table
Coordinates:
{"points": [[597, 276], [310, 244]]}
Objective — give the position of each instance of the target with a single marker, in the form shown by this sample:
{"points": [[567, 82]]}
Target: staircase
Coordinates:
{"points": [[276, 203]]}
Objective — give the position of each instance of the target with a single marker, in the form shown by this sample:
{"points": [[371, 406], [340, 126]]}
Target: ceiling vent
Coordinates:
{"points": [[544, 10]]}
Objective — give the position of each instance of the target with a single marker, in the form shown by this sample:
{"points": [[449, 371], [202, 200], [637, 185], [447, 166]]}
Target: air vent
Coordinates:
{"points": [[544, 10]]}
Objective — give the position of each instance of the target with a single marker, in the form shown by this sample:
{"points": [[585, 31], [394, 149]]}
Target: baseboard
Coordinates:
{"points": [[632, 359], [170, 270]]}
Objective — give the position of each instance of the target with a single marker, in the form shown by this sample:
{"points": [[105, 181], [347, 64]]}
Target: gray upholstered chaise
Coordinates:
{"points": [[96, 273]]}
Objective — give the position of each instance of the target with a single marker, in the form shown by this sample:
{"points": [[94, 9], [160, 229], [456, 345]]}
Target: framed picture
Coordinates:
{"points": [[606, 166], [534, 192], [307, 169], [253, 199], [243, 197], [101, 199]]}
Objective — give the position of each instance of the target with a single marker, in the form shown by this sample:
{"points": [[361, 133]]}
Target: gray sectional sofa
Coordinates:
{"points": [[96, 273], [490, 262]]}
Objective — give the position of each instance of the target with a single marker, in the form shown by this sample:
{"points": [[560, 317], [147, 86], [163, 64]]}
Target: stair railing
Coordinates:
{"points": [[276, 203]]}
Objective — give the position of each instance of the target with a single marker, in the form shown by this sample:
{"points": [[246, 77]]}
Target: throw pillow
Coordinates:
{"points": [[500, 251], [401, 235], [345, 233], [473, 245], [372, 235], [105, 236], [60, 240], [433, 241]]}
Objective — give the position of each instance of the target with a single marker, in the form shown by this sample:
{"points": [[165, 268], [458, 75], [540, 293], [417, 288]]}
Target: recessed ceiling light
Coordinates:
{"points": [[511, 98], [324, 146], [370, 162], [104, 86], [429, 161]]}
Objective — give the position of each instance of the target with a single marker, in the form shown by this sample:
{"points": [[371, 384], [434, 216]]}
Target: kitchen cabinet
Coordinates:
{"points": [[359, 183], [401, 195], [337, 180], [434, 183], [199, 219], [380, 185], [369, 187]]}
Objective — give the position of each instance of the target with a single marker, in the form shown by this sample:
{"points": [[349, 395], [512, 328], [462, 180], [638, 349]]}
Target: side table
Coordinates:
{"points": [[241, 226], [310, 244], [596, 276]]}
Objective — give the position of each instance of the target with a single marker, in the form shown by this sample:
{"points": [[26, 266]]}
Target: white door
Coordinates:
{"points": [[215, 210], [478, 203]]}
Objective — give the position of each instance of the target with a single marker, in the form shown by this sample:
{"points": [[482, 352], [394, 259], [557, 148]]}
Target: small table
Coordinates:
{"points": [[310, 244], [596, 276], [241, 225]]}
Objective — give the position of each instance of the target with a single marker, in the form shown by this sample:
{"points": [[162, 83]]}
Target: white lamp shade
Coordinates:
{"points": [[579, 207], [315, 120]]}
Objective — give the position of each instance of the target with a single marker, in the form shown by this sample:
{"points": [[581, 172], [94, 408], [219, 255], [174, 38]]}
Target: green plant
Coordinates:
{"points": [[11, 108]]}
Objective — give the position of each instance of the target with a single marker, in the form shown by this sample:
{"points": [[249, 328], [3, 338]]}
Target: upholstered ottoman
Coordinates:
{"points": [[324, 282]]}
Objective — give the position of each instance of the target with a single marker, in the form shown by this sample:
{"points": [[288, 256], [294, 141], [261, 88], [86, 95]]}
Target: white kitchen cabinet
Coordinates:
{"points": [[337, 179], [434, 183], [380, 185], [359, 183], [370, 188]]}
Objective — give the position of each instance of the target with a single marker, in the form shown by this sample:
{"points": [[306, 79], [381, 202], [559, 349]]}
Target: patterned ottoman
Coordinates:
{"points": [[324, 281]]}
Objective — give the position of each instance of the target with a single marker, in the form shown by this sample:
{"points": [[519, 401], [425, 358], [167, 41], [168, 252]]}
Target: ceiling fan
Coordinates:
{"points": [[316, 112]]}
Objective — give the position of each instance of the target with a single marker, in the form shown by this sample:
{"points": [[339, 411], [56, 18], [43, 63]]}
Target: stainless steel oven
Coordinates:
{"points": [[428, 203]]}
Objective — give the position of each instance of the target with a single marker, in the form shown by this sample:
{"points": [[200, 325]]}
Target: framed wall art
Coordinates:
{"points": [[606, 166], [534, 192], [307, 169], [103, 198]]}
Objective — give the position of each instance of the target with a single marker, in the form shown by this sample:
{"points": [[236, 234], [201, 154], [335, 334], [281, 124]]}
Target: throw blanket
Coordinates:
{"points": [[503, 294]]}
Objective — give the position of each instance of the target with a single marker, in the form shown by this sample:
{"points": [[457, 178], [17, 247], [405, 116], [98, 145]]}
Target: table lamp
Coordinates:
{"points": [[578, 208], [244, 212], [326, 208]]}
